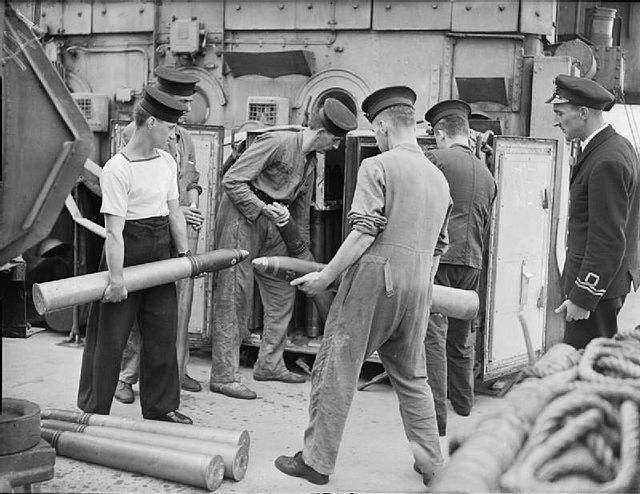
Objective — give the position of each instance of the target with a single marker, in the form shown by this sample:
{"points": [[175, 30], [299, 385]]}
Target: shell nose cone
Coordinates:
{"points": [[259, 263], [242, 254]]}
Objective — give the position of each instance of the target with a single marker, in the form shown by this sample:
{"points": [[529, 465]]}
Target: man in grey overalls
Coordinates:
{"points": [[399, 226]]}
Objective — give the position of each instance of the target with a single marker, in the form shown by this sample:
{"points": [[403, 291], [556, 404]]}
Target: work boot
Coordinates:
{"points": [[190, 384], [234, 390], [124, 393], [296, 467], [285, 376], [176, 417], [463, 411], [427, 477]]}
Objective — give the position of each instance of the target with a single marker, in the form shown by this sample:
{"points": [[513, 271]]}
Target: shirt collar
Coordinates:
{"points": [[584, 143], [463, 146]]}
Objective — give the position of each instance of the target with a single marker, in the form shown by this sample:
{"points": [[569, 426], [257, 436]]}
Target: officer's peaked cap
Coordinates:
{"points": [[581, 92]]}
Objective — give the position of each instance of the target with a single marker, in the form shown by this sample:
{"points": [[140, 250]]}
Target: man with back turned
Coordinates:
{"points": [[398, 225], [602, 258], [450, 342]]}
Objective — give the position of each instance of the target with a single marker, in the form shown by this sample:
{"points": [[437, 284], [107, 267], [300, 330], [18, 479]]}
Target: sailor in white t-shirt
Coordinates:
{"points": [[143, 220]]}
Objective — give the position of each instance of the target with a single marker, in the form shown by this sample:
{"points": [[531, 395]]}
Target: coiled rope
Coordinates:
{"points": [[587, 438]]}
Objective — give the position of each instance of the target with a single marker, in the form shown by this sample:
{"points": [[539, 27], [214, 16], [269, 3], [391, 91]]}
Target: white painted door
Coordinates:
{"points": [[519, 250]]}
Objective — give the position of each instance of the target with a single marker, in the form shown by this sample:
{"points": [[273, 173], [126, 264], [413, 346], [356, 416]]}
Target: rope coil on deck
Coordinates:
{"points": [[587, 438], [571, 425]]}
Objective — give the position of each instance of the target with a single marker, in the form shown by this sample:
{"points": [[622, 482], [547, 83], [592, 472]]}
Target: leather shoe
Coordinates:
{"points": [[285, 376], [427, 477], [234, 390], [175, 417], [296, 467], [124, 393], [463, 412], [190, 384]]}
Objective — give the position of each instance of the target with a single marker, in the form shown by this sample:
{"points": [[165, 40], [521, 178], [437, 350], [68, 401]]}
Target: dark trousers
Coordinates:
{"points": [[450, 349], [109, 326], [603, 322]]}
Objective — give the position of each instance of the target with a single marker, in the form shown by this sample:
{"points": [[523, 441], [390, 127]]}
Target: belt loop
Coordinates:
{"points": [[388, 280]]}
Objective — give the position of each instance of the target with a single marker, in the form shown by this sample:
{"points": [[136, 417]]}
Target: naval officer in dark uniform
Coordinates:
{"points": [[604, 213]]}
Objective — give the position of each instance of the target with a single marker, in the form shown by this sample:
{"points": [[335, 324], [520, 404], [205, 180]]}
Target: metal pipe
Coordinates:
{"points": [[67, 292], [194, 469], [71, 50], [486, 36], [234, 456], [168, 428]]}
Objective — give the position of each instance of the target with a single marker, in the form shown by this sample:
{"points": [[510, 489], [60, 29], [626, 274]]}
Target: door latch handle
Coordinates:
{"points": [[525, 276]]}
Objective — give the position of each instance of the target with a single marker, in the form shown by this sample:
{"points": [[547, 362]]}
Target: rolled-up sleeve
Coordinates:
{"points": [[236, 181], [367, 210]]}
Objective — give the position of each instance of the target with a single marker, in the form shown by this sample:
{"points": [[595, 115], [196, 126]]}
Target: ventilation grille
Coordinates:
{"points": [[95, 108], [86, 107], [268, 111]]}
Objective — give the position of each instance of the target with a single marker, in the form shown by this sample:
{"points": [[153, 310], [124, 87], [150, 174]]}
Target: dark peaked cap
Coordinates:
{"points": [[385, 98], [175, 82], [337, 118], [582, 92], [162, 105], [447, 108]]}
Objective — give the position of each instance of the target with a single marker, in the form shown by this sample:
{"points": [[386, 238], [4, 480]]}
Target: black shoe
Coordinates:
{"points": [[176, 417], [190, 384], [233, 390], [462, 411], [296, 467]]}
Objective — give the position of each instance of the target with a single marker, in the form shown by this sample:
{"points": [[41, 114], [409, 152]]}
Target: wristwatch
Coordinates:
{"points": [[184, 254]]}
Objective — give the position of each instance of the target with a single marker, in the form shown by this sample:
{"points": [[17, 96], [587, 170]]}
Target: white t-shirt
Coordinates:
{"points": [[140, 188]]}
